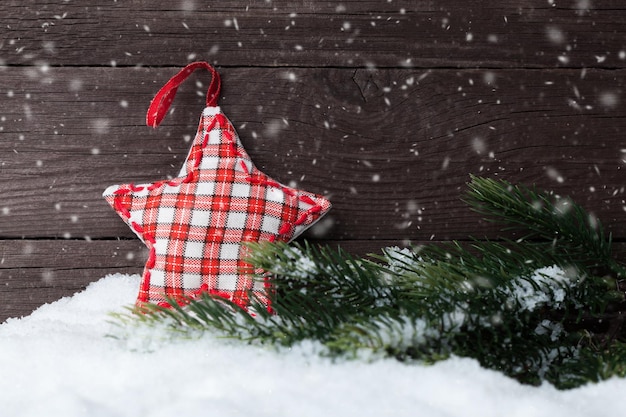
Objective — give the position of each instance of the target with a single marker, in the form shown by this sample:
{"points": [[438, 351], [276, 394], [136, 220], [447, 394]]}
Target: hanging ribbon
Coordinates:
{"points": [[163, 99]]}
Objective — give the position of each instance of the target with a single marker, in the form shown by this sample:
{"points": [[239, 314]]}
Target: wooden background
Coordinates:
{"points": [[385, 106]]}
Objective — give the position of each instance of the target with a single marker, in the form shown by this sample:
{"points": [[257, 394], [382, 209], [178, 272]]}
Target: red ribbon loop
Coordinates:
{"points": [[163, 99]]}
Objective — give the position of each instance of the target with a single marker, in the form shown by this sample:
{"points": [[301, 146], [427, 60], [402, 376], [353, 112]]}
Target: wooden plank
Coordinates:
{"points": [[392, 148], [402, 33], [35, 272]]}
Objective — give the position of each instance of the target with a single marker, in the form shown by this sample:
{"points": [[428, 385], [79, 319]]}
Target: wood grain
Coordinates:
{"points": [[402, 33], [392, 148], [34, 272]]}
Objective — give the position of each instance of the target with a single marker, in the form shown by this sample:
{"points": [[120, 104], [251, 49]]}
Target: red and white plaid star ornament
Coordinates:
{"points": [[195, 224]]}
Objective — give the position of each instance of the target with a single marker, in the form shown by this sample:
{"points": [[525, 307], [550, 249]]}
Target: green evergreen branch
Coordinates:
{"points": [[541, 216], [534, 308]]}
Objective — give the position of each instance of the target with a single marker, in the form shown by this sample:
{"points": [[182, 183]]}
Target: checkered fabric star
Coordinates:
{"points": [[195, 224]]}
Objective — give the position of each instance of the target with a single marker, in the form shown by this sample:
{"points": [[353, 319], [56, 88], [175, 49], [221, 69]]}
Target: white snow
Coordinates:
{"points": [[59, 362], [546, 286]]}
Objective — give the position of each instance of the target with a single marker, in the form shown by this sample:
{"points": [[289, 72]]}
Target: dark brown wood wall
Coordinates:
{"points": [[385, 106]]}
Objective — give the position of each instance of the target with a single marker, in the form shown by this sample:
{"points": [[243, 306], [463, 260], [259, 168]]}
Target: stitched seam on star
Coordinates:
{"points": [[148, 238]]}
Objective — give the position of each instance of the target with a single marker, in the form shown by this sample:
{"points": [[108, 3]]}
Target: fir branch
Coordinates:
{"points": [[533, 308], [540, 216]]}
